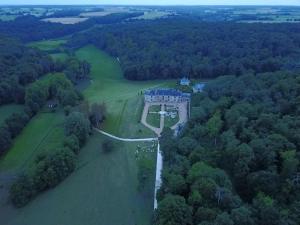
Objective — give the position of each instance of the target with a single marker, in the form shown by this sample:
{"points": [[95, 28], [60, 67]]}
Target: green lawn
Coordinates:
{"points": [[155, 108], [153, 118], [7, 17], [48, 45], [169, 122], [44, 132], [59, 56], [108, 85], [7, 110], [102, 191]]}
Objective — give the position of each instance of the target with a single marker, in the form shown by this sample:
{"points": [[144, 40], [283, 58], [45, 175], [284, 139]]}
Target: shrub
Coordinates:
{"points": [[77, 124], [72, 143], [16, 122], [50, 170], [108, 146], [5, 139], [22, 191]]}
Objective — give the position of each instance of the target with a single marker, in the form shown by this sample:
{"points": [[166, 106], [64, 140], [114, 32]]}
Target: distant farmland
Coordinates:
{"points": [[65, 20]]}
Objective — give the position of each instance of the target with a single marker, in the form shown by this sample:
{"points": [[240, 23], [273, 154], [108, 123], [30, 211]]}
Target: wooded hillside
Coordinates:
{"points": [[237, 161], [175, 47]]}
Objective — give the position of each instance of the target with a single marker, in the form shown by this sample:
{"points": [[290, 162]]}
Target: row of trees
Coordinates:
{"points": [[76, 70], [55, 87], [31, 28], [53, 167], [237, 161], [176, 47]]}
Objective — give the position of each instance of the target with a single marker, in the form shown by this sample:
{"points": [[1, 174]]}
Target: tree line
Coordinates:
{"points": [[54, 87], [237, 160], [183, 46], [21, 82], [31, 28], [54, 166], [19, 66]]}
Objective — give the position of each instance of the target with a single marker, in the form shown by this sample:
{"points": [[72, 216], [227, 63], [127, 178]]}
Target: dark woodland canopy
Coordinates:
{"points": [[177, 47]]}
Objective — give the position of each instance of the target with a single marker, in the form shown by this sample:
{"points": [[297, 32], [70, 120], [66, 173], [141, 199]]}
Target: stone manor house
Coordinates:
{"points": [[166, 95]]}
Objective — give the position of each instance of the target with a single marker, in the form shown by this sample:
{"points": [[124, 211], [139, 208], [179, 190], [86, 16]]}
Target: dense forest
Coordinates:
{"points": [[23, 81], [31, 28], [19, 66], [177, 47], [237, 160]]}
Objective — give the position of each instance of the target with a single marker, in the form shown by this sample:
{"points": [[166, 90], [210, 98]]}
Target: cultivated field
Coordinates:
{"points": [[152, 15], [107, 11], [65, 20]]}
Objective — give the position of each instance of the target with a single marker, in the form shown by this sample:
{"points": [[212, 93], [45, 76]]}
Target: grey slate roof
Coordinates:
{"points": [[166, 92]]}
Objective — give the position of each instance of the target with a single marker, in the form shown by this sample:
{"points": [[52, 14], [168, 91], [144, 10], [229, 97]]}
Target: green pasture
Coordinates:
{"points": [[104, 187], [109, 86], [7, 17], [59, 56], [169, 122], [44, 132], [152, 15], [153, 119], [102, 191], [7, 110], [48, 45]]}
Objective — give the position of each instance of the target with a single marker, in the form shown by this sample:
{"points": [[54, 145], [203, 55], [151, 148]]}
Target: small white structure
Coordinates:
{"points": [[198, 87], [185, 81]]}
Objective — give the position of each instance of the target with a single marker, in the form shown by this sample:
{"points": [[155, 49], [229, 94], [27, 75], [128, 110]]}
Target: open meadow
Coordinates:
{"points": [[109, 86], [105, 188], [43, 133], [47, 45], [102, 190]]}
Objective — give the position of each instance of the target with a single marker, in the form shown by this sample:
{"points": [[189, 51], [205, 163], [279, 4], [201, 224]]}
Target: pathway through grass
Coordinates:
{"points": [[108, 85], [102, 191]]}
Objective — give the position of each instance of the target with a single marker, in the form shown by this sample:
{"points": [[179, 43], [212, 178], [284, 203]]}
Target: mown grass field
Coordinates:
{"points": [[104, 188], [169, 122], [7, 110], [59, 56], [109, 86], [47, 45], [153, 117], [102, 191], [43, 133], [65, 20]]}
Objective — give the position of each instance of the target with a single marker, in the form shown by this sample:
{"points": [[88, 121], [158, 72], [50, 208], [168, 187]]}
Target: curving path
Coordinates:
{"points": [[125, 139], [159, 159]]}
